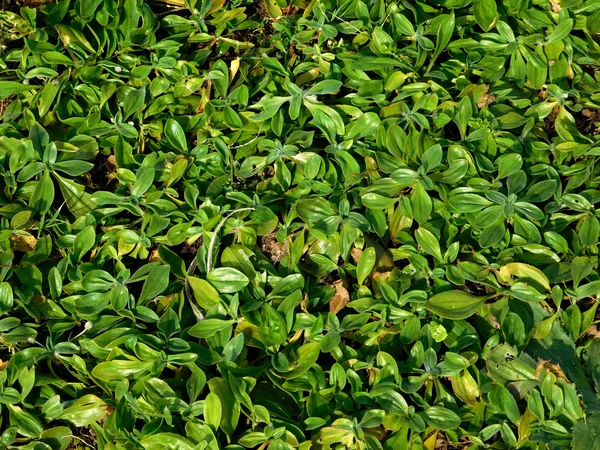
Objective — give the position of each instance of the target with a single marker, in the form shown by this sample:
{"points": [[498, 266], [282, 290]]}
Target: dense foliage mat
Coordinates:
{"points": [[327, 224]]}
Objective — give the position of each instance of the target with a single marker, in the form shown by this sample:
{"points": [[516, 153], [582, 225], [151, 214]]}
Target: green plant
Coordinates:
{"points": [[293, 224]]}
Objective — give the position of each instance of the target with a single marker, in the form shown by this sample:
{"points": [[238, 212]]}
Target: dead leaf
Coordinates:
{"points": [[494, 321], [379, 278], [555, 6], [341, 297], [486, 99], [296, 336], [154, 256], [111, 163], [273, 249], [22, 243], [550, 367], [355, 253], [304, 303], [435, 441], [593, 332]]}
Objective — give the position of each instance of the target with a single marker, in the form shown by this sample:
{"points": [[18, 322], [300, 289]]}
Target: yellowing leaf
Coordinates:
{"points": [[524, 271], [465, 387]]}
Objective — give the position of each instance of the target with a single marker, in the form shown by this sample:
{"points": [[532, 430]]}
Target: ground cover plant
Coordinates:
{"points": [[294, 224]]}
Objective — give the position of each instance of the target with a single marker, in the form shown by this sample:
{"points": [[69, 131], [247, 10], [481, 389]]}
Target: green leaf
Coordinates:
{"points": [[502, 400], [429, 243], [376, 201], [314, 210], [464, 112], [366, 264], [366, 124], [212, 410], [27, 424], [117, 370], [540, 192], [561, 31], [78, 201], [492, 234], [454, 305], [468, 203], [12, 87], [6, 298], [273, 329], [324, 87], [486, 13], [85, 411], [441, 418], [421, 203], [48, 95], [509, 164], [227, 279], [230, 412], [206, 296], [43, 195], [444, 34], [525, 272], [209, 327], [175, 136], [53, 57], [166, 441], [156, 283], [84, 242], [232, 119], [303, 359], [526, 293], [134, 100]]}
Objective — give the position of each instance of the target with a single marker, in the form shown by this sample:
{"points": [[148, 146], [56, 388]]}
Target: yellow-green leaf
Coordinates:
{"points": [[455, 305]]}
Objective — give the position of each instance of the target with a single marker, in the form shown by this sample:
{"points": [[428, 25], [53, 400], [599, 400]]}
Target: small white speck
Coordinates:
{"points": [[88, 325], [565, 95], [3, 47], [55, 82], [112, 120], [25, 81], [118, 69], [196, 11], [31, 340], [131, 123]]}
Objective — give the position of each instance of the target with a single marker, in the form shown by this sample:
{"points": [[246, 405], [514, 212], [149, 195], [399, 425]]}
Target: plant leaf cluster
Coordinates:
{"points": [[299, 224]]}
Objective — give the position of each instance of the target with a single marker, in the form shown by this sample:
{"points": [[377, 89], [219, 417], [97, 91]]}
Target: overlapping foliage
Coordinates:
{"points": [[327, 224]]}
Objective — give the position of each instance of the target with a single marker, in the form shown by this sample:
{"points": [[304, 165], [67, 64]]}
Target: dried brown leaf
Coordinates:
{"points": [[341, 297]]}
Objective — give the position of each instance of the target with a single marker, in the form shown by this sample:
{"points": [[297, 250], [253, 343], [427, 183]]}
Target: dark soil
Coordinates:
{"points": [[273, 249], [101, 176], [476, 288], [83, 438], [587, 121], [4, 104], [549, 121]]}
